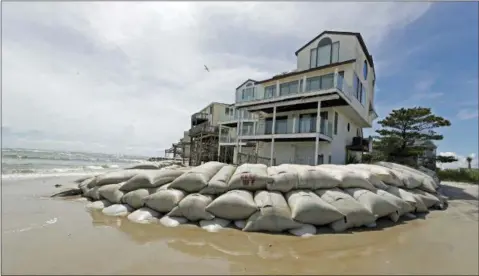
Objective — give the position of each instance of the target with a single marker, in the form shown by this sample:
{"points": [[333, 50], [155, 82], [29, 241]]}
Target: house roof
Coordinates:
{"points": [[246, 82], [307, 70], [358, 35]]}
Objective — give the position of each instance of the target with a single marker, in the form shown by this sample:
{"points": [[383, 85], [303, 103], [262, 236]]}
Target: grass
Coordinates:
{"points": [[459, 175]]}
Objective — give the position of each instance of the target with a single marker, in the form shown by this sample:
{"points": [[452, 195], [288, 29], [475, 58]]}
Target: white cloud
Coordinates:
{"points": [[467, 113], [125, 76], [460, 163]]}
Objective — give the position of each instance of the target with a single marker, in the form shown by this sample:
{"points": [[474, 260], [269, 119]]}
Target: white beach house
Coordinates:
{"points": [[314, 114]]}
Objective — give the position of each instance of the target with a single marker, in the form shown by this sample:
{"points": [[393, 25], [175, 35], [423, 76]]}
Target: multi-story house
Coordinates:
{"points": [[316, 113]]}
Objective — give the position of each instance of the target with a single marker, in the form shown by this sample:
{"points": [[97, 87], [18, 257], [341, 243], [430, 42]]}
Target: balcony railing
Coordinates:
{"points": [[237, 116], [203, 128], [288, 127], [227, 138]]}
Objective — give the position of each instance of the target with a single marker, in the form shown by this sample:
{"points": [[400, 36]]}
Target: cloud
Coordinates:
{"points": [[125, 76], [467, 114], [460, 163]]}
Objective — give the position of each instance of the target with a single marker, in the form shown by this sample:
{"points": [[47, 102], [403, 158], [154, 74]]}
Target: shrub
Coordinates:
{"points": [[459, 175]]}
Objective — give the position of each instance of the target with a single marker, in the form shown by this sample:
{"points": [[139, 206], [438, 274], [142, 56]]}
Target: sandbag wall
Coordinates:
{"points": [[257, 198]]}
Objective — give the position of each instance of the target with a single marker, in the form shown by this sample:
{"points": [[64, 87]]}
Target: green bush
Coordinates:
{"points": [[459, 175]]}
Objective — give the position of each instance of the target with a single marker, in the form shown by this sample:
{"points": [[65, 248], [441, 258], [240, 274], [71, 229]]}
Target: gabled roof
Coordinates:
{"points": [[358, 35], [246, 82]]}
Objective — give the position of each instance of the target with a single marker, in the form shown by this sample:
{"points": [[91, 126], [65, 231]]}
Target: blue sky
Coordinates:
{"points": [[438, 68], [125, 77]]}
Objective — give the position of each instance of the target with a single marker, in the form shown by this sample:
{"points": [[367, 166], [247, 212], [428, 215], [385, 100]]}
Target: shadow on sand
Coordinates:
{"points": [[456, 193]]}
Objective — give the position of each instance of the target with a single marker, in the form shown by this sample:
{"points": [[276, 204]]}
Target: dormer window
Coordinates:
{"points": [[326, 53], [365, 70]]}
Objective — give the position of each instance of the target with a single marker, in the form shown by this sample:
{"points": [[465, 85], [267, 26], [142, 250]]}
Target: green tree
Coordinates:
{"points": [[402, 128], [469, 160], [445, 159]]}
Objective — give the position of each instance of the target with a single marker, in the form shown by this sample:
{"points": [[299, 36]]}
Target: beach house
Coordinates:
{"points": [[313, 114]]}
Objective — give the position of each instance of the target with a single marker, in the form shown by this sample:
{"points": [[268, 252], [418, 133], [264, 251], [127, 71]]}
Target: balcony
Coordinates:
{"points": [[231, 120], [287, 129], [203, 129], [200, 117]]}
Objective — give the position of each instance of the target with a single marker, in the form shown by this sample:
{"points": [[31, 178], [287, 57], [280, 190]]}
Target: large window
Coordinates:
{"points": [[288, 88], [281, 125], [326, 53], [270, 91], [365, 70], [359, 90], [321, 82], [307, 123], [247, 94], [335, 52], [312, 58]]}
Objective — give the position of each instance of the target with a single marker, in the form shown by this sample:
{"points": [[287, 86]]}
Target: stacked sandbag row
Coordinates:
{"points": [[255, 197]]}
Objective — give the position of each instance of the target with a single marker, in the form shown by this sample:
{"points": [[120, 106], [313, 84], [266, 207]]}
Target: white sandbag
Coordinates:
{"points": [[356, 214], [136, 199], [316, 177], [89, 183], [409, 180], [151, 179], [98, 205], [214, 225], [143, 215], [273, 215], [168, 221], [218, 184], [384, 174], [93, 193], [368, 175], [376, 204], [306, 230], [117, 210], [115, 177], [250, 177], [285, 178], [429, 199], [145, 166], [307, 207], [193, 207], [430, 185], [197, 178], [414, 200], [240, 224], [112, 192], [233, 205], [164, 200], [404, 207], [349, 178]]}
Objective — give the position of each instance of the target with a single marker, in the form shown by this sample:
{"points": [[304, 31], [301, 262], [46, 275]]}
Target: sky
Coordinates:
{"points": [[125, 77]]}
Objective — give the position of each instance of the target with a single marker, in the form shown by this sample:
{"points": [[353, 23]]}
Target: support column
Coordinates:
{"points": [[318, 127], [219, 142], [304, 84], [277, 89], [294, 122], [235, 156], [272, 137]]}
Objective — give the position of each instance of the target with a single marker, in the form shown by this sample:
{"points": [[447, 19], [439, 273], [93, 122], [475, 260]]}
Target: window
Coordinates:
{"points": [[269, 91], [312, 58], [247, 94], [307, 123], [348, 127], [321, 82], [211, 109], [288, 88], [363, 95], [301, 85], [227, 111], [329, 159], [336, 123], [281, 125], [365, 70], [335, 52], [324, 51], [313, 83], [320, 159], [358, 132], [327, 81], [359, 90]]}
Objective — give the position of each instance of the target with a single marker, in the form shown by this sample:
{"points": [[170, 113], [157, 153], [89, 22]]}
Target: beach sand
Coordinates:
{"points": [[41, 235]]}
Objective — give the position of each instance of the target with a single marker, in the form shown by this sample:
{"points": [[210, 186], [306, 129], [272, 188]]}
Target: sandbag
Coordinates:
{"points": [[214, 225], [193, 207], [273, 215], [197, 178], [93, 193], [407, 178], [306, 230], [250, 177], [414, 200], [115, 177], [384, 174], [307, 207], [136, 199], [356, 215], [418, 176], [369, 176], [164, 200], [285, 178], [429, 199], [98, 205], [143, 215], [168, 221], [112, 192], [380, 207], [88, 183], [404, 207], [240, 224], [349, 178], [117, 210], [218, 184], [316, 177], [151, 179], [144, 166], [233, 205], [81, 179]]}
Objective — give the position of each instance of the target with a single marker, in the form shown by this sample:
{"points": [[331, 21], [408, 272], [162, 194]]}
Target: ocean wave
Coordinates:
{"points": [[32, 172]]}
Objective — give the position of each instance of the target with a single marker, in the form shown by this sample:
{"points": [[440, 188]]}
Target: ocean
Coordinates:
{"points": [[33, 163]]}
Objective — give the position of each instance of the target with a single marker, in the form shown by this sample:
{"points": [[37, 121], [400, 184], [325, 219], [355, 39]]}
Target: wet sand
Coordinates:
{"points": [[56, 236]]}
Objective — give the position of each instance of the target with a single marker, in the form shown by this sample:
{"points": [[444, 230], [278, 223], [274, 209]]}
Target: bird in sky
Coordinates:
{"points": [[206, 68]]}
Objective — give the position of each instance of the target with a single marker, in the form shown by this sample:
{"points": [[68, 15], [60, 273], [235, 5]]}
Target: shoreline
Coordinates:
{"points": [[81, 242]]}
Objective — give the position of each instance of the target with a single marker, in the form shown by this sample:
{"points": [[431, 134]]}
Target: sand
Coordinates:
{"points": [[57, 236]]}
